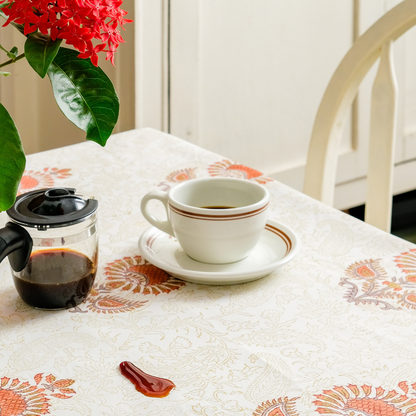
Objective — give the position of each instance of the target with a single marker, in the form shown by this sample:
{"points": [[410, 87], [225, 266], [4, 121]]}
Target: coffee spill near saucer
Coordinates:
{"points": [[150, 386]]}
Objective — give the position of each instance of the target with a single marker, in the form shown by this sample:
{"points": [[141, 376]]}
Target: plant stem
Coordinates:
{"points": [[11, 61]]}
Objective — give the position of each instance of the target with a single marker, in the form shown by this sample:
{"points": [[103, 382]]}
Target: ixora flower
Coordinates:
{"points": [[82, 90]]}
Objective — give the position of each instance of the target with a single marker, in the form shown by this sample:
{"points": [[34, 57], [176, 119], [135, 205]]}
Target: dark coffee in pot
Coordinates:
{"points": [[55, 279]]}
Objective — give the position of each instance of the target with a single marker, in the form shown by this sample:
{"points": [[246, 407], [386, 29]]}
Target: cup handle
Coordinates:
{"points": [[164, 226]]}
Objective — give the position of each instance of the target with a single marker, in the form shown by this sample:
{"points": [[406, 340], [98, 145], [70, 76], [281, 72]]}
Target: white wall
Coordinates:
{"points": [[244, 78]]}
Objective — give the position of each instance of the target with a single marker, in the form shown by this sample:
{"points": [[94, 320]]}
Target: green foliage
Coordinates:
{"points": [[84, 94], [12, 160], [40, 50]]}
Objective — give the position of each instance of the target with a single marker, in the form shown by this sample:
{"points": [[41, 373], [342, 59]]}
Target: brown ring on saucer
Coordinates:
{"points": [[282, 235]]}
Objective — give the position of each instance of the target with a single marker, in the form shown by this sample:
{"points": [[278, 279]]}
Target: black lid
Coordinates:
{"points": [[53, 207]]}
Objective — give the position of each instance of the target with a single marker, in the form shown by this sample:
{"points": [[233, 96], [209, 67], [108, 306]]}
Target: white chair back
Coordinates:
{"points": [[321, 165]]}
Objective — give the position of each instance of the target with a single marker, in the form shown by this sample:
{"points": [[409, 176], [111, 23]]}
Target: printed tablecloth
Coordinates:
{"points": [[331, 332]]}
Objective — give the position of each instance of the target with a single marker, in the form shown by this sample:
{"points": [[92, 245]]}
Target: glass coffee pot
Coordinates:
{"points": [[51, 241]]}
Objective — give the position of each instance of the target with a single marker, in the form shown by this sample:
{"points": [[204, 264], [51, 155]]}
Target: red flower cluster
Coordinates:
{"points": [[78, 22]]}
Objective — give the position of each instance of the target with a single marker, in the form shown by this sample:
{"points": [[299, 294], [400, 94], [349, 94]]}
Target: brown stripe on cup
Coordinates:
{"points": [[282, 235], [207, 217]]}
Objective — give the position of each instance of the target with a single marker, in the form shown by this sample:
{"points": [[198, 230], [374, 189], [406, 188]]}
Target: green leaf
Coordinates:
{"points": [[12, 160], [4, 73], [84, 94], [13, 52], [40, 51]]}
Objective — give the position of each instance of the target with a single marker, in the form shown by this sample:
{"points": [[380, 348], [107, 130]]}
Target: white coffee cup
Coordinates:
{"points": [[215, 220]]}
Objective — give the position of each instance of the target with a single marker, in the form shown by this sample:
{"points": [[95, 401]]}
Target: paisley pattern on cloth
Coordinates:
{"points": [[111, 304], [350, 400], [31, 399], [128, 276], [46, 178], [368, 283]]}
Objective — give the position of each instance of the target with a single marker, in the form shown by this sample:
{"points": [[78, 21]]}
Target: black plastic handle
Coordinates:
{"points": [[16, 243]]}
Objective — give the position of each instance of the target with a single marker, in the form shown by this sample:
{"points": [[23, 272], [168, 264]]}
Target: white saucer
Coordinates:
{"points": [[278, 245]]}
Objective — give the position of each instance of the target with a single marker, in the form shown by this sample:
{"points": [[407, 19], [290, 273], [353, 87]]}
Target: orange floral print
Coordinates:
{"points": [[368, 269], [182, 175], [177, 177], [227, 168], [46, 178], [350, 400], [224, 168], [128, 276], [139, 276], [407, 262], [368, 283], [358, 400], [279, 407], [19, 398]]}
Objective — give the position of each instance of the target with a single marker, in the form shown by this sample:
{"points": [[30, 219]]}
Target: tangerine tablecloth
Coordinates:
{"points": [[331, 332]]}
